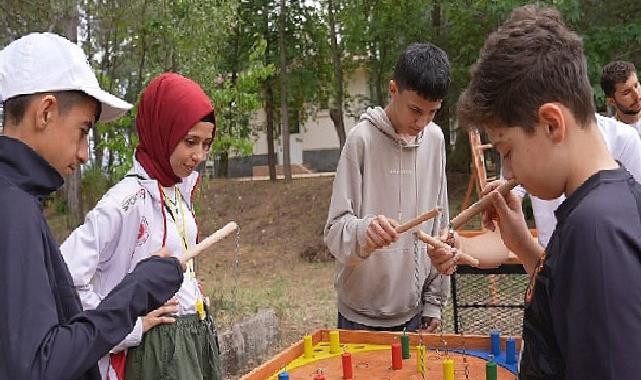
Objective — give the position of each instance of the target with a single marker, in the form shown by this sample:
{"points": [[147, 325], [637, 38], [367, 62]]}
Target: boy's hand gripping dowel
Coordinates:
{"points": [[462, 257], [478, 207]]}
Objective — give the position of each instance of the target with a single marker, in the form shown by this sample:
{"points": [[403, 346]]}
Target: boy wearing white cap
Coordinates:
{"points": [[51, 99]]}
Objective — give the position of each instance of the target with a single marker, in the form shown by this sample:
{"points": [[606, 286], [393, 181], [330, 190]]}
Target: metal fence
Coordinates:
{"points": [[488, 299]]}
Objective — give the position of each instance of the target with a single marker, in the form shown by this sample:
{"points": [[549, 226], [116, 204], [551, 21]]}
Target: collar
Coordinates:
{"points": [[573, 201], [186, 185], [25, 168], [379, 119]]}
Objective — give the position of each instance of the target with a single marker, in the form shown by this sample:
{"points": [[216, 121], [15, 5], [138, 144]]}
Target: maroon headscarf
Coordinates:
{"points": [[170, 105]]}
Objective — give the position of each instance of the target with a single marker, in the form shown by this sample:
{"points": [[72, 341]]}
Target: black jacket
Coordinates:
{"points": [[44, 334]]}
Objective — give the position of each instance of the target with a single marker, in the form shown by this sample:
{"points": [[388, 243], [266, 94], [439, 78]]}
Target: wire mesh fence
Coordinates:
{"points": [[486, 300]]}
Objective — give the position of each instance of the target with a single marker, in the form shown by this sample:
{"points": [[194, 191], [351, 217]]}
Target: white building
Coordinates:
{"points": [[316, 145]]}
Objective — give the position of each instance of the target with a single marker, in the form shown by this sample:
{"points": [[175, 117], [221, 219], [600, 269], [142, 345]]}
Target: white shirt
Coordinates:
{"points": [[126, 226], [623, 143], [636, 126]]}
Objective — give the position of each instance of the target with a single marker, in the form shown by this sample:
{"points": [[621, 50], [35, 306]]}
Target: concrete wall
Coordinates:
{"points": [[318, 132], [322, 160], [316, 145], [242, 166]]}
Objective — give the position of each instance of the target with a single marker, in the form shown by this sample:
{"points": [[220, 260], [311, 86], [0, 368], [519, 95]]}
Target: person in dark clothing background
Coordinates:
{"points": [[51, 100], [530, 92]]}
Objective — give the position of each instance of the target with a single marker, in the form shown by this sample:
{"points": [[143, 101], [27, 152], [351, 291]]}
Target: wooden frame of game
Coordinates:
{"points": [[373, 356]]}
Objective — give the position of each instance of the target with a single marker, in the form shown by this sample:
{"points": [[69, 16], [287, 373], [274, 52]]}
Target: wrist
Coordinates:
{"points": [[528, 247]]}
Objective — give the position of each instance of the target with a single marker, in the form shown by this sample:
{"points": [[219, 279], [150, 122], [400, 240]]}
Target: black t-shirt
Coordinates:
{"points": [[583, 307]]}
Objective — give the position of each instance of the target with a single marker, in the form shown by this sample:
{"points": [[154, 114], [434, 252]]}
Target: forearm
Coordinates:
{"points": [[529, 254], [67, 350]]}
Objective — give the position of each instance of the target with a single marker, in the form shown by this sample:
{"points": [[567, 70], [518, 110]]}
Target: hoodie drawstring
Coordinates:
{"points": [[399, 213], [417, 267]]}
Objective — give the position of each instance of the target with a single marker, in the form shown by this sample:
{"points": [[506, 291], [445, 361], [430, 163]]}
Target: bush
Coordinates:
{"points": [[94, 185]]}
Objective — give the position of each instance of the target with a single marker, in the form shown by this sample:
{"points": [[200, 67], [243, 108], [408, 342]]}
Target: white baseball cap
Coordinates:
{"points": [[45, 62]]}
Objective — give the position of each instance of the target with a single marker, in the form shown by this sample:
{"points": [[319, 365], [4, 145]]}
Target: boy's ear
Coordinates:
{"points": [[393, 87], [553, 121], [46, 111]]}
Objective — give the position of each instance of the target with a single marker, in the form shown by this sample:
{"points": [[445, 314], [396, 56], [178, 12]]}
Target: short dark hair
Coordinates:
{"points": [[613, 73], [423, 68], [532, 59], [15, 108]]}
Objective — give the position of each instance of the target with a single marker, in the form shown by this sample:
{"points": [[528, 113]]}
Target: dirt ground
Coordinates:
{"points": [[278, 223]]}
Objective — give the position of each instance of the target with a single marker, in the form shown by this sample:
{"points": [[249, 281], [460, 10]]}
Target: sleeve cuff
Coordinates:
{"points": [[133, 339], [361, 236], [431, 311]]}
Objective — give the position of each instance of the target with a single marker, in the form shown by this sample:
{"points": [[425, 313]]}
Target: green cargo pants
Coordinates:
{"points": [[185, 350]]}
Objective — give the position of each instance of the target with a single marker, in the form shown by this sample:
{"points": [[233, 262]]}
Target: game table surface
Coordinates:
{"points": [[371, 357]]}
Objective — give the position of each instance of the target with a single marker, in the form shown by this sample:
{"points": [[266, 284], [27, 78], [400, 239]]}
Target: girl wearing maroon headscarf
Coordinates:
{"points": [[149, 209]]}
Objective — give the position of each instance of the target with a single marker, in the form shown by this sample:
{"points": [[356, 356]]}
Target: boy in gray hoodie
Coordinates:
{"points": [[392, 169]]}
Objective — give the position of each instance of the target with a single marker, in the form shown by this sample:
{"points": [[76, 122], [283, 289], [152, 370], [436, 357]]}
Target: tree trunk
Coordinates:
{"points": [[269, 84], [73, 183], [143, 53], [381, 79], [284, 113], [97, 138], [97, 149], [269, 114], [436, 18], [336, 112], [222, 166], [443, 116]]}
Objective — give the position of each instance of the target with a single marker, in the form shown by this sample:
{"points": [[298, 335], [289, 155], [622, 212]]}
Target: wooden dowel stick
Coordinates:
{"points": [[418, 220], [467, 214], [209, 241], [463, 258]]}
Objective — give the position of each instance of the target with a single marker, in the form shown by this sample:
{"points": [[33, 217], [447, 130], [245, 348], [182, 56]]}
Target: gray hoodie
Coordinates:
{"points": [[379, 173]]}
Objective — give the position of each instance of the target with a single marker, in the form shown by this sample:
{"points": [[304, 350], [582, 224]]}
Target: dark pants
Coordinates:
{"points": [[411, 325]]}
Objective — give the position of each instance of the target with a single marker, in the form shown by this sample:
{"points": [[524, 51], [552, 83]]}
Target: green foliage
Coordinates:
{"points": [[230, 48], [120, 142], [60, 205], [94, 185], [238, 97]]}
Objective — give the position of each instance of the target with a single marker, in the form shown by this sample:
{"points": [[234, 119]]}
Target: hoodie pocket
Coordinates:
{"points": [[383, 285]]}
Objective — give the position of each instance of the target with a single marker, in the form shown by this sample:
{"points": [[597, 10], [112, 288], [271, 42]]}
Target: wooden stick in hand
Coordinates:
{"points": [[418, 220], [463, 258], [209, 241], [478, 207]]}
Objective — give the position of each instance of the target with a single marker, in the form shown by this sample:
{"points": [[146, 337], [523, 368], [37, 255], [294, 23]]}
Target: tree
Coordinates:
{"points": [[73, 183], [336, 111], [284, 120]]}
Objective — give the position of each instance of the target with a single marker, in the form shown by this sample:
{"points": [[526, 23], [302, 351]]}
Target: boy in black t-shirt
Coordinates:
{"points": [[530, 91]]}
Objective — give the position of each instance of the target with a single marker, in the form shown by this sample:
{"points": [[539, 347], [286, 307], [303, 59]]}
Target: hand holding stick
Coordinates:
{"points": [[478, 207], [418, 220], [208, 242], [461, 257]]}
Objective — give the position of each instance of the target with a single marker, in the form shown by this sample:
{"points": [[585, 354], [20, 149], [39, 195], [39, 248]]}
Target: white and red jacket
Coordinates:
{"points": [[129, 224]]}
